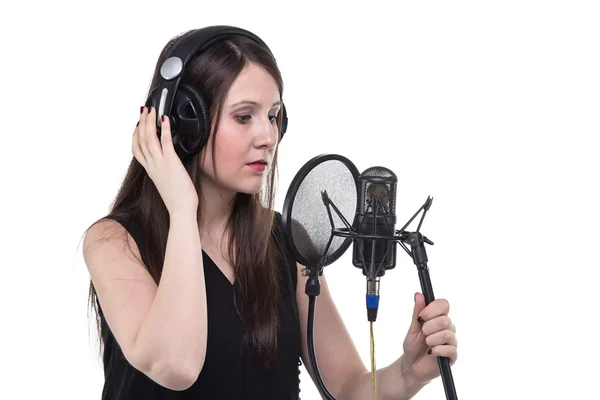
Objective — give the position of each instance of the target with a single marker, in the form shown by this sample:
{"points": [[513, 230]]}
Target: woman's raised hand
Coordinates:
{"points": [[163, 165]]}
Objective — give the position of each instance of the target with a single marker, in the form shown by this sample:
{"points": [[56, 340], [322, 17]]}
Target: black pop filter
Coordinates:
{"points": [[305, 218], [308, 223]]}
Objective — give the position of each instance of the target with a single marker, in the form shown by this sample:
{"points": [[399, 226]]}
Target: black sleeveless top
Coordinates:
{"points": [[230, 370]]}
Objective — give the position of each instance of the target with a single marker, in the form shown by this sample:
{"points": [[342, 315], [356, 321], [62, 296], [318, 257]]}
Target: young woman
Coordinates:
{"points": [[196, 291]]}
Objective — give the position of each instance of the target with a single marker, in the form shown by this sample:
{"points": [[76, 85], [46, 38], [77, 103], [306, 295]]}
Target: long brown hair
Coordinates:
{"points": [[251, 247]]}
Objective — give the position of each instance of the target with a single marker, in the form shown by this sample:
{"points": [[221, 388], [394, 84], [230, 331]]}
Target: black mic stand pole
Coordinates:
{"points": [[417, 243]]}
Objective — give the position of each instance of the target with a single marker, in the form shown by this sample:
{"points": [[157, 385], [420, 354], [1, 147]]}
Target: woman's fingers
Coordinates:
{"points": [[166, 139], [135, 146], [438, 324], [151, 137], [445, 351], [147, 148], [441, 338], [142, 132]]}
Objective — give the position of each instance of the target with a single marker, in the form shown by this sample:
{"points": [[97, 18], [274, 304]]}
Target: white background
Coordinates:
{"points": [[489, 107]]}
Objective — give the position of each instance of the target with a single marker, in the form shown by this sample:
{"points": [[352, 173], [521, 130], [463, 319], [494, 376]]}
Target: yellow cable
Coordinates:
{"points": [[373, 368]]}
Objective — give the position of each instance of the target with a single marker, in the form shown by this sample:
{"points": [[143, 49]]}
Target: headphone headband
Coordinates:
{"points": [[172, 68]]}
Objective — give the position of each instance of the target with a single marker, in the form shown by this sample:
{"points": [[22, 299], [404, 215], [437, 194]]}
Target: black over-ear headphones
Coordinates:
{"points": [[186, 108]]}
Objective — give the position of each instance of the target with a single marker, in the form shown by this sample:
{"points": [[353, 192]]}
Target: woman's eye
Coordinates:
{"points": [[243, 118]]}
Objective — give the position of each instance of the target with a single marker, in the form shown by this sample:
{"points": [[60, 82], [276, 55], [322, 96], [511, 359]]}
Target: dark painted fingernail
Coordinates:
{"points": [[149, 109], [429, 351], [137, 123], [420, 319], [142, 109], [162, 118]]}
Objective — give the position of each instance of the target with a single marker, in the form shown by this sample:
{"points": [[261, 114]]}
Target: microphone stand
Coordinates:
{"points": [[419, 255]]}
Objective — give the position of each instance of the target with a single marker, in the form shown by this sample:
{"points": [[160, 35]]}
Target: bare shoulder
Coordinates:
{"points": [[112, 256], [105, 238], [124, 287]]}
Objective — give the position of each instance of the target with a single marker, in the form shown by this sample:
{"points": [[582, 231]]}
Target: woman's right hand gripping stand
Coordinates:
{"points": [[162, 329]]}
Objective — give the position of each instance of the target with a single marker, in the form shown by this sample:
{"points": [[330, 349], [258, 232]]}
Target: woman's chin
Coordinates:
{"points": [[250, 190], [248, 187]]}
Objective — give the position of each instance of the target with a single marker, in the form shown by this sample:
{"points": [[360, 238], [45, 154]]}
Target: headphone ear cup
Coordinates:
{"points": [[190, 121], [284, 120]]}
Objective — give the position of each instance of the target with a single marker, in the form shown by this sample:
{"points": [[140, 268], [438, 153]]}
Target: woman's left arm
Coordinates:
{"points": [[340, 365]]}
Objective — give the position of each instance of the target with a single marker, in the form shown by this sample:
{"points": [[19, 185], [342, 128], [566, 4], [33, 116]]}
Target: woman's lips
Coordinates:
{"points": [[258, 166]]}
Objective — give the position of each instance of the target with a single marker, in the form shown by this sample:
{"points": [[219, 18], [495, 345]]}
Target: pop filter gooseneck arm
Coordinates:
{"points": [[313, 289]]}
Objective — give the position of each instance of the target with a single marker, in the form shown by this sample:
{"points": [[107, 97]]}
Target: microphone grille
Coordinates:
{"points": [[381, 172], [379, 183]]}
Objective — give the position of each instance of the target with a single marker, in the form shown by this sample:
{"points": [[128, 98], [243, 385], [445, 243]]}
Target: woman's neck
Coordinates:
{"points": [[215, 208]]}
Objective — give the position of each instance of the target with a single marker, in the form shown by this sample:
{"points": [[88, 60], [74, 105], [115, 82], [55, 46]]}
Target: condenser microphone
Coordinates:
{"points": [[375, 222], [325, 195]]}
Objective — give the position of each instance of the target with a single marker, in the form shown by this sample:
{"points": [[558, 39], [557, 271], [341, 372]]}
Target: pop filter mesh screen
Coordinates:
{"points": [[310, 224]]}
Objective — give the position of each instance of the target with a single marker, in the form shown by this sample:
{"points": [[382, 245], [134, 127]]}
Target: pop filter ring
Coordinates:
{"points": [[290, 197], [286, 214]]}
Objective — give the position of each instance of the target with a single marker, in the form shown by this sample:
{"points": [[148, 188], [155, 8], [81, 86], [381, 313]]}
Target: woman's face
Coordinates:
{"points": [[247, 135]]}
